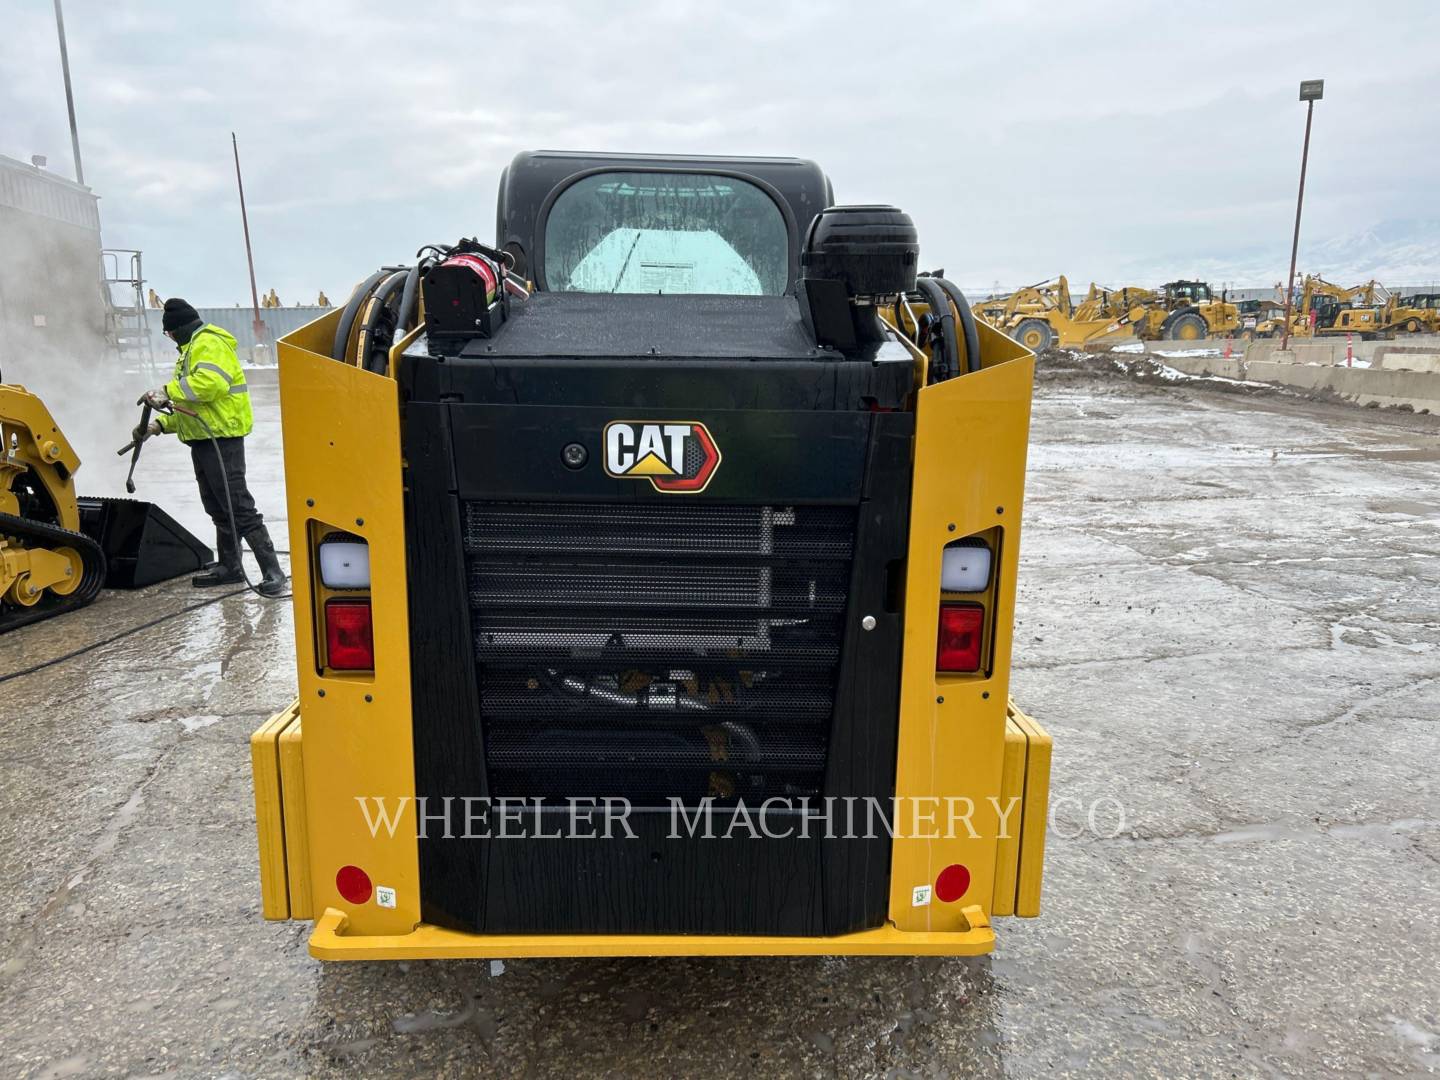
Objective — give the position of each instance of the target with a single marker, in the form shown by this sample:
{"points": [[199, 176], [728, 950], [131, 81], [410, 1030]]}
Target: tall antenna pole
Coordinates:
{"points": [[249, 255], [69, 94]]}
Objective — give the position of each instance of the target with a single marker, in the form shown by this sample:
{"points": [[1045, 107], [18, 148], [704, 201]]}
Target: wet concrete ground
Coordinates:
{"points": [[1228, 621]]}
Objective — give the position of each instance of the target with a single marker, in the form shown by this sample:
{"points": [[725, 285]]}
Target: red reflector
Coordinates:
{"points": [[349, 643], [353, 884], [952, 883], [960, 631]]}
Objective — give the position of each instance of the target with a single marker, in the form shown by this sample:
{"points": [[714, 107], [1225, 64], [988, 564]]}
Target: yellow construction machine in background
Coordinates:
{"points": [[1258, 314], [1417, 313], [58, 550], [1044, 316], [47, 565], [1186, 311], [1328, 310]]}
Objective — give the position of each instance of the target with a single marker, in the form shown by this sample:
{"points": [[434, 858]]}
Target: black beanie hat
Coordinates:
{"points": [[178, 314]]}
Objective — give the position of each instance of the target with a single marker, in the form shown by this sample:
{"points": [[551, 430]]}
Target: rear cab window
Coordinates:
{"points": [[675, 233]]}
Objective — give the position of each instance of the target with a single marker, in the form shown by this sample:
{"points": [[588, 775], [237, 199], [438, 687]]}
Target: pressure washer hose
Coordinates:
{"points": [[229, 505]]}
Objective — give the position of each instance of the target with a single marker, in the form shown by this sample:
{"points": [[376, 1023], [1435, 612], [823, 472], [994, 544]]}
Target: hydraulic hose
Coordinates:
{"points": [[967, 324], [368, 354], [940, 309], [408, 297], [352, 309]]}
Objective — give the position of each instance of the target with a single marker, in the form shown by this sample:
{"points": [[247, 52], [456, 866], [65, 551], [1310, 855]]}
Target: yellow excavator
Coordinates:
{"points": [[57, 550], [1327, 310]]}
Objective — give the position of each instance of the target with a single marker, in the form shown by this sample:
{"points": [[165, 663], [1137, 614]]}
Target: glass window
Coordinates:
{"points": [[641, 232]]}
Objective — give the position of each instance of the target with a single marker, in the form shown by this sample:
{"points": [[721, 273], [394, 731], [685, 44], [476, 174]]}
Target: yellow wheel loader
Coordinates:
{"points": [[1185, 311], [58, 550], [654, 577]]}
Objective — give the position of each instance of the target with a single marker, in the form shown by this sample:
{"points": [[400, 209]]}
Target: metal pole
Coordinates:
{"points": [[249, 256], [1295, 243], [69, 95]]}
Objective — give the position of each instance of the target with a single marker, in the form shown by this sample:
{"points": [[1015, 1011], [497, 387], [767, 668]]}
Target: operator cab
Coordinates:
{"points": [[1187, 293], [658, 224], [1327, 309]]}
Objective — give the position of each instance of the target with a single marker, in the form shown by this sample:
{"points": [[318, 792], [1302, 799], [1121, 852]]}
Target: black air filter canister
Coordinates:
{"points": [[874, 250]]}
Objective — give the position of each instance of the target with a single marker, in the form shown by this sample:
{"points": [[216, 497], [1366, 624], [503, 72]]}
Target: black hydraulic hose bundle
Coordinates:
{"points": [[967, 324], [373, 351], [409, 298], [352, 309], [384, 306], [945, 348]]}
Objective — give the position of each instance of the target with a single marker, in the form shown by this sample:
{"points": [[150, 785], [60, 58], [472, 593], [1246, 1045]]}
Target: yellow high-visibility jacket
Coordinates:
{"points": [[209, 380]]}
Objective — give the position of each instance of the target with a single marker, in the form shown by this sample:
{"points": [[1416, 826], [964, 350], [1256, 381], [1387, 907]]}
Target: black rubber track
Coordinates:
{"points": [[37, 534]]}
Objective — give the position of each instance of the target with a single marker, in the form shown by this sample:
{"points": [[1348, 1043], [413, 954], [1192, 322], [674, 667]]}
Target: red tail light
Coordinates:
{"points": [[961, 627], [349, 640]]}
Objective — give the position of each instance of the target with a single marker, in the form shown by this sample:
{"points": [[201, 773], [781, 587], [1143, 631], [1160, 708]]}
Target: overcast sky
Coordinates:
{"points": [[1026, 139]]}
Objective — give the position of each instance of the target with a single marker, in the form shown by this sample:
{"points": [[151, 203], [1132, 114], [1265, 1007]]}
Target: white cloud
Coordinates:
{"points": [[1027, 139]]}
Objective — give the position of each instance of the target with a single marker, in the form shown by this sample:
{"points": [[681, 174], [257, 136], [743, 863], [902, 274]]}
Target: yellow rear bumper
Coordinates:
{"points": [[282, 827], [425, 942]]}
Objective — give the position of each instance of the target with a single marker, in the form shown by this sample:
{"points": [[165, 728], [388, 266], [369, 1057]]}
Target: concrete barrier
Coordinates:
{"points": [[1407, 358], [1331, 350], [1419, 390]]}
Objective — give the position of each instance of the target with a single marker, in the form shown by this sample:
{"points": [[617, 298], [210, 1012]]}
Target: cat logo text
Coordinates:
{"points": [[676, 457]]}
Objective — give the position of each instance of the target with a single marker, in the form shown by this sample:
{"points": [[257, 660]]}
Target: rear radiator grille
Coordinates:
{"points": [[651, 650]]}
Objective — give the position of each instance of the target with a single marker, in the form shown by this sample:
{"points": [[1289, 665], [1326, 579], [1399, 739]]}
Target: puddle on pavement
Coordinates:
{"points": [[1409, 507], [1403, 453]]}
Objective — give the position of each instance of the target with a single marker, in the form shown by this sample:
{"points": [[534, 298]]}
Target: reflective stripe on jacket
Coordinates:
{"points": [[209, 380]]}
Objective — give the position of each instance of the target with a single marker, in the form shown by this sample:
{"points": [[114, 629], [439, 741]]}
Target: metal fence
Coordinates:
{"points": [[240, 321]]}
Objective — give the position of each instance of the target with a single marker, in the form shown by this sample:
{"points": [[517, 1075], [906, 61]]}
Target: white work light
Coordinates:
{"points": [[966, 568], [345, 564]]}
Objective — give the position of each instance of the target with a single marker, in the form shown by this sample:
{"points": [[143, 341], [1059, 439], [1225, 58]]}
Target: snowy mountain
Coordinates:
{"points": [[1399, 253]]}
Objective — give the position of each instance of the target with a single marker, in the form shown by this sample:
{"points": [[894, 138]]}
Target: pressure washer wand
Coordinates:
{"points": [[133, 447]]}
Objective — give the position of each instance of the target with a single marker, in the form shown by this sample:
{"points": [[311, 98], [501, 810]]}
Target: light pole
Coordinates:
{"points": [[1311, 91], [69, 95], [259, 326]]}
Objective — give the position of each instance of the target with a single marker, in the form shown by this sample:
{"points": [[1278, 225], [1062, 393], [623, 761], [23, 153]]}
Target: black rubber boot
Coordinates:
{"points": [[272, 583], [225, 570]]}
